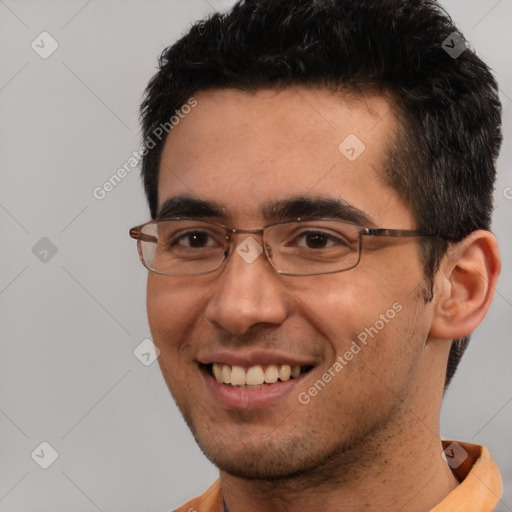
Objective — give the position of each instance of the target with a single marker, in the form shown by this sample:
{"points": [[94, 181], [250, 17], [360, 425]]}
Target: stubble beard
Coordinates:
{"points": [[313, 459]]}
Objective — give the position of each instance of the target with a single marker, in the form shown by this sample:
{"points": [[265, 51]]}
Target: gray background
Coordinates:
{"points": [[70, 324]]}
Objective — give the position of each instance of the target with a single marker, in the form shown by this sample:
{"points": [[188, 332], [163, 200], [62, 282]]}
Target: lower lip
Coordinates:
{"points": [[236, 398]]}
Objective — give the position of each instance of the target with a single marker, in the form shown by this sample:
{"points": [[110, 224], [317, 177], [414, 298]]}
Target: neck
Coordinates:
{"points": [[397, 468]]}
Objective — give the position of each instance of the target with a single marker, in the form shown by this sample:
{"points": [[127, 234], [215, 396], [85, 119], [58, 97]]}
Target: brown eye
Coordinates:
{"points": [[195, 240], [318, 240]]}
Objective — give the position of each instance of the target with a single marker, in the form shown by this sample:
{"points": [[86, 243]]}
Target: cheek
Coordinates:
{"points": [[344, 304], [171, 306], [172, 313], [374, 318], [161, 306]]}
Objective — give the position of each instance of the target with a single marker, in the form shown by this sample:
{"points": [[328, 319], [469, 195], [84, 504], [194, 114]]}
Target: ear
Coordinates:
{"points": [[464, 285]]}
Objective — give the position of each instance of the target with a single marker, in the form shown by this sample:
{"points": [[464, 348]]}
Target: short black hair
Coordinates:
{"points": [[442, 158]]}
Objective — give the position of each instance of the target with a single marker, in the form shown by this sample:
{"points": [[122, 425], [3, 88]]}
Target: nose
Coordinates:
{"points": [[248, 292]]}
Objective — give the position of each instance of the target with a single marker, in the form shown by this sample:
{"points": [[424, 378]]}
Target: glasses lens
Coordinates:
{"points": [[184, 247], [315, 247]]}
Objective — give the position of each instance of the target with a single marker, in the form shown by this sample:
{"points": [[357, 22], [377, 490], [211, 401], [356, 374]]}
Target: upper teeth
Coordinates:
{"points": [[255, 375]]}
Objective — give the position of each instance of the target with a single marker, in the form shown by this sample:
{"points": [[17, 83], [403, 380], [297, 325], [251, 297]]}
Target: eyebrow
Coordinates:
{"points": [[186, 206], [316, 207], [305, 207]]}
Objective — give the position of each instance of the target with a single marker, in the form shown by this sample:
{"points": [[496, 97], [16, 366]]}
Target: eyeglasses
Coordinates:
{"points": [[188, 247]]}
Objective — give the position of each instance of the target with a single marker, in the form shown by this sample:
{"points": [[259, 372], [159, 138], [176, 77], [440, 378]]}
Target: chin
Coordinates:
{"points": [[288, 457], [256, 465]]}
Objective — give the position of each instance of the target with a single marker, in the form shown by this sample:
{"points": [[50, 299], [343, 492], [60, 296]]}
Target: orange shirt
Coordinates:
{"points": [[479, 490]]}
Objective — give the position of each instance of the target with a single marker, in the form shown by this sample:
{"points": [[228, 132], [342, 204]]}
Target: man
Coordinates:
{"points": [[320, 177]]}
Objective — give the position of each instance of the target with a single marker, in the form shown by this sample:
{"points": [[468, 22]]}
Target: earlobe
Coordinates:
{"points": [[465, 285]]}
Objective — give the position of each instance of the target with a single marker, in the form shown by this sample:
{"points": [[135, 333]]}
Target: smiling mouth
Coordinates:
{"points": [[254, 377]]}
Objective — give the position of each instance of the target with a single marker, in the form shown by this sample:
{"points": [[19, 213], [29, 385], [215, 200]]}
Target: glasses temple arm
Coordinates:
{"points": [[138, 235], [394, 232]]}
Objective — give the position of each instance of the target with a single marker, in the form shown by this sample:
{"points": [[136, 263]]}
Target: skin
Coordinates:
{"points": [[370, 439]]}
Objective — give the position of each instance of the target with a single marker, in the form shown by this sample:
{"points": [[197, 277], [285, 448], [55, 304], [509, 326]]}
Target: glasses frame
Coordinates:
{"points": [[137, 234]]}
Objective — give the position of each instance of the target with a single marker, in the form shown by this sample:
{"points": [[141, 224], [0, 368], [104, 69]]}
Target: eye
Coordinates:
{"points": [[194, 240], [314, 240], [319, 240]]}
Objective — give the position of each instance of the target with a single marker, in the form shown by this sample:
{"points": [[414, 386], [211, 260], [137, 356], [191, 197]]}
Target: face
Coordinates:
{"points": [[357, 336]]}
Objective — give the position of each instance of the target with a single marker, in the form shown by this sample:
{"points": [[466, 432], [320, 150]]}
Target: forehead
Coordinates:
{"points": [[243, 149]]}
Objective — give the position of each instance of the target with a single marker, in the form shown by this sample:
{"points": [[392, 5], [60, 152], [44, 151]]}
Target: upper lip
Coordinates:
{"points": [[253, 358]]}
